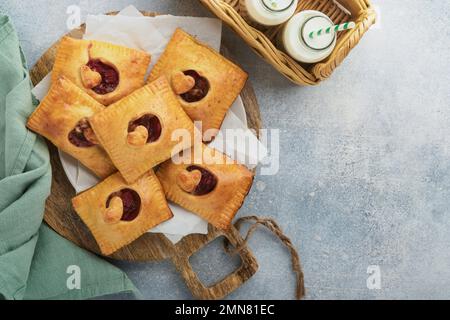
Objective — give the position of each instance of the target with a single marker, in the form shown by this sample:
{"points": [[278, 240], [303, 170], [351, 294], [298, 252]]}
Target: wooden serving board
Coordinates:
{"points": [[60, 215]]}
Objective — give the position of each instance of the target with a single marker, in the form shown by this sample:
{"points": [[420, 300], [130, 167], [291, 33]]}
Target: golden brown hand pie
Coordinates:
{"points": [[105, 71], [137, 131], [206, 83], [214, 186], [118, 213], [62, 117]]}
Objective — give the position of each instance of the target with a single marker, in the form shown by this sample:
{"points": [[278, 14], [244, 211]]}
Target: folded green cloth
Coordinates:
{"points": [[35, 262]]}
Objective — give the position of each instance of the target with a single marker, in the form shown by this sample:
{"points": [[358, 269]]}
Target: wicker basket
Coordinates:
{"points": [[263, 42]]}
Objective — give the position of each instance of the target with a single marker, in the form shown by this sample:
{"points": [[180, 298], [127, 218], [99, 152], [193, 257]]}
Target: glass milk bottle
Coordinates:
{"points": [[301, 40], [268, 12]]}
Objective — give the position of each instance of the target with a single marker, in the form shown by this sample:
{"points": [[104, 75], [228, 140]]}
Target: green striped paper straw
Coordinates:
{"points": [[336, 28]]}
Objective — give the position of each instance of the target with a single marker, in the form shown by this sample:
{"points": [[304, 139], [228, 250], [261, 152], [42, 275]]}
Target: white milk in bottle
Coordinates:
{"points": [[297, 40]]}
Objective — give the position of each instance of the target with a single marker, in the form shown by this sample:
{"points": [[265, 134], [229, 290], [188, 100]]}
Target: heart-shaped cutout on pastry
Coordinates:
{"points": [[138, 137], [182, 83], [188, 180], [82, 135], [197, 180], [109, 76], [90, 135], [199, 90], [143, 130], [123, 205], [114, 212], [89, 77]]}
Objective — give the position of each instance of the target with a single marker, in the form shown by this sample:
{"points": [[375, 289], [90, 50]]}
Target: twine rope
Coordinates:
{"points": [[272, 226]]}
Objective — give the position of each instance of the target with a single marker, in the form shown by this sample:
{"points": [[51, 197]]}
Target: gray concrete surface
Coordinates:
{"points": [[364, 171]]}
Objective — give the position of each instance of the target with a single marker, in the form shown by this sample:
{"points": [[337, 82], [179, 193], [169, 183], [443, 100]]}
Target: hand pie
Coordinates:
{"points": [[105, 71], [118, 213], [206, 83], [137, 131], [62, 117], [214, 187]]}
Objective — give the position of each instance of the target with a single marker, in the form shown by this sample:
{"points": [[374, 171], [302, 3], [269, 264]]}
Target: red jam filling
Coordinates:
{"points": [[207, 182], [131, 203], [110, 76], [77, 137], [200, 89], [149, 121]]}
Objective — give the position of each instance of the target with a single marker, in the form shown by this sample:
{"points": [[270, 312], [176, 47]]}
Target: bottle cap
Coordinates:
{"points": [[318, 42], [277, 5]]}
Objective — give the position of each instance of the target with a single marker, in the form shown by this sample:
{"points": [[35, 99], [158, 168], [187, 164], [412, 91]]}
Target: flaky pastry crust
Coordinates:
{"points": [[219, 206], [225, 78], [57, 116], [72, 58], [110, 232], [126, 149]]}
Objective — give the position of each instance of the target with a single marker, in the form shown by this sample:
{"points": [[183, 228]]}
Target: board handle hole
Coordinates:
{"points": [[212, 263]]}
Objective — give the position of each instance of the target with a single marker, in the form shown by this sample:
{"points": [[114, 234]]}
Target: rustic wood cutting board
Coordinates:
{"points": [[60, 215]]}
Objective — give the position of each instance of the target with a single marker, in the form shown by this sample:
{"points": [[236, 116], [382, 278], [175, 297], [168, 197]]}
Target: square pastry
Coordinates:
{"points": [[143, 129], [62, 117], [207, 183], [118, 213], [107, 72], [205, 82]]}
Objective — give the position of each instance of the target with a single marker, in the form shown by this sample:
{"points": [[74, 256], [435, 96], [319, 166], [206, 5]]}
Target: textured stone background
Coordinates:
{"points": [[364, 169]]}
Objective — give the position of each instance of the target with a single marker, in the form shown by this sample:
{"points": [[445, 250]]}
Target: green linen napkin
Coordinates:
{"points": [[35, 262]]}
